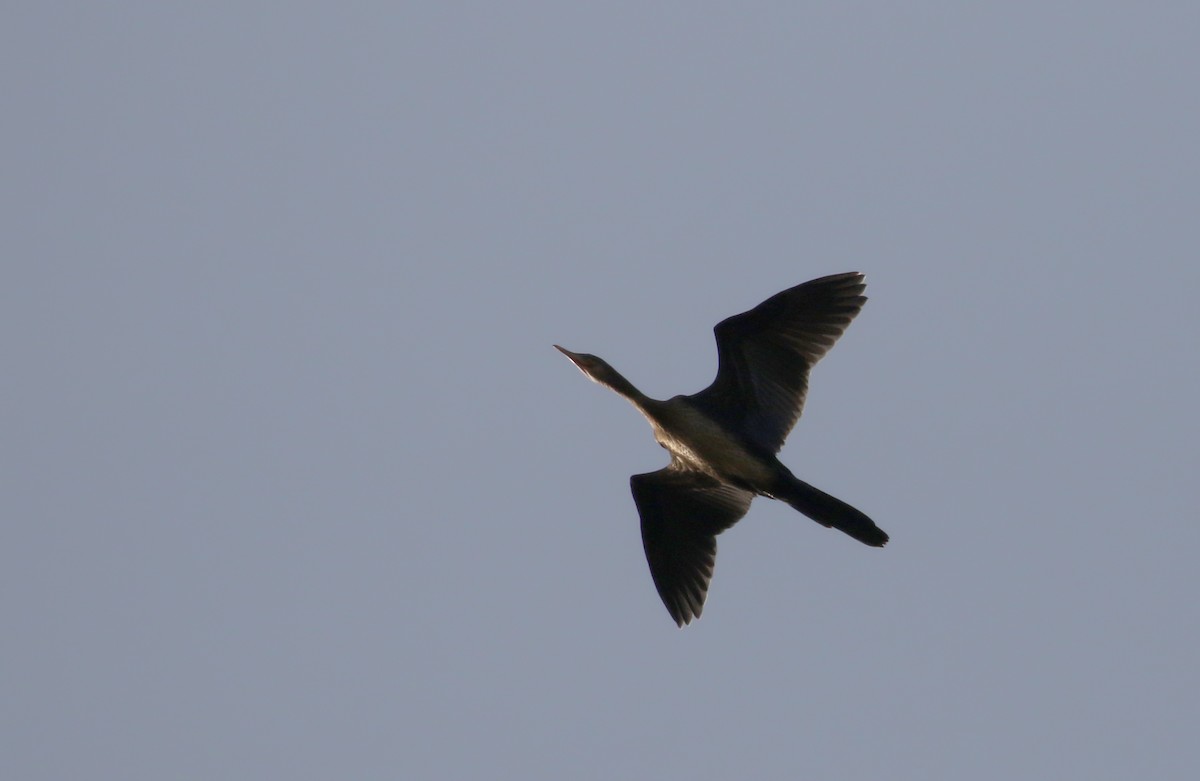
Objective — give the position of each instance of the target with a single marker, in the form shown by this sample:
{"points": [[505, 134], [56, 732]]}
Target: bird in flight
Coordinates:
{"points": [[723, 440]]}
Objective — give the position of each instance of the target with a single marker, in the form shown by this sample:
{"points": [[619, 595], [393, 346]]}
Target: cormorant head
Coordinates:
{"points": [[596, 369]]}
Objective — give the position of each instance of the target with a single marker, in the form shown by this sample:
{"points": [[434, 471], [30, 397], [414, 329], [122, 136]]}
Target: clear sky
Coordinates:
{"points": [[295, 486]]}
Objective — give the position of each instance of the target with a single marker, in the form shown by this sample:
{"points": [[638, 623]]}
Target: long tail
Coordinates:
{"points": [[832, 512]]}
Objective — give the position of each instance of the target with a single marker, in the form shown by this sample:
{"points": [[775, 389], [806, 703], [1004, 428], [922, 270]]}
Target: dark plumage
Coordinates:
{"points": [[723, 440]]}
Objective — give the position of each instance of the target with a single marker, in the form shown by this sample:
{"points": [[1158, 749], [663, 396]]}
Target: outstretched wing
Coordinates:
{"points": [[682, 513], [766, 354]]}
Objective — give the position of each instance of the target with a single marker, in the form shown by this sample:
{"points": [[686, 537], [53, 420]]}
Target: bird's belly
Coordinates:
{"points": [[702, 445]]}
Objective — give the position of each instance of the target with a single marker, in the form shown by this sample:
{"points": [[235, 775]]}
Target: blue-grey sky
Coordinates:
{"points": [[294, 485]]}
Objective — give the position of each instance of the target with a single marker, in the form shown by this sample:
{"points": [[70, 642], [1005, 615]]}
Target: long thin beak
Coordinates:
{"points": [[575, 357]]}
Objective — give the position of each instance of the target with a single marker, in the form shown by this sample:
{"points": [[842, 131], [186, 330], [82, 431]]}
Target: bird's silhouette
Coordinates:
{"points": [[723, 440]]}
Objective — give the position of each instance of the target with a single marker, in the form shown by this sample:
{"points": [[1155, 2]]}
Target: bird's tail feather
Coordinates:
{"points": [[832, 512]]}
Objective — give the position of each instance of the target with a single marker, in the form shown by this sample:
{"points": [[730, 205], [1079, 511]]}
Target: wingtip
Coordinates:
{"points": [[683, 614]]}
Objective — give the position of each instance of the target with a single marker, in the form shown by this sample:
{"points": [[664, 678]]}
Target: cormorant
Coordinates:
{"points": [[723, 440]]}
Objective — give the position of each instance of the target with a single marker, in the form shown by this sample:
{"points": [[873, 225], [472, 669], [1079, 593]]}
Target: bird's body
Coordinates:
{"points": [[723, 440], [698, 443]]}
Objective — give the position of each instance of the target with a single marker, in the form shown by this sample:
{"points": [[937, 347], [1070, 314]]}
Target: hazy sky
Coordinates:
{"points": [[295, 486]]}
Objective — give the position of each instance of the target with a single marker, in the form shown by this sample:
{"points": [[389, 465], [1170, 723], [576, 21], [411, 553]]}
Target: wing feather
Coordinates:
{"points": [[766, 354], [682, 512]]}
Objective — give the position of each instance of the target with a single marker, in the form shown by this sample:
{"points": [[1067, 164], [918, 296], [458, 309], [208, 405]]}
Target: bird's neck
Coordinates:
{"points": [[624, 387]]}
